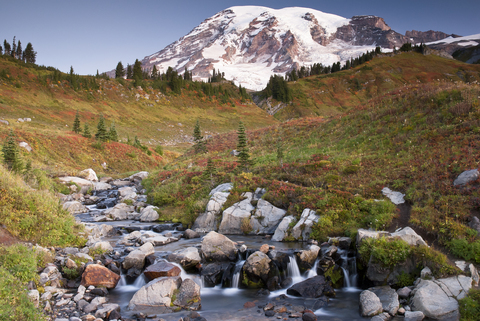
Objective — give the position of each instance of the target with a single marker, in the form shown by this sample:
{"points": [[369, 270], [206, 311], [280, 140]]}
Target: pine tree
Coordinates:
{"points": [[129, 72], [6, 47], [154, 74], [242, 146], [198, 139], [11, 155], [119, 71], [112, 134], [14, 48], [76, 124], [101, 134], [209, 172], [137, 70], [19, 50], [137, 143], [86, 131], [1, 50]]}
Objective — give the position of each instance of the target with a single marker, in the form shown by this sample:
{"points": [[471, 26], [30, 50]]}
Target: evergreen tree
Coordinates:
{"points": [[13, 53], [102, 133], [19, 50], [112, 134], [137, 143], [129, 72], [137, 70], [86, 131], [1, 50], [119, 71], [198, 139], [76, 124], [6, 47], [209, 172], [242, 146], [154, 74], [73, 79], [11, 154]]}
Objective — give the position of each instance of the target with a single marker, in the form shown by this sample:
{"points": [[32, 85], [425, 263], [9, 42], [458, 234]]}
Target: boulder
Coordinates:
{"points": [[104, 245], [217, 247], [212, 273], [223, 188], [281, 230], [235, 218], [101, 186], [85, 185], [307, 258], [136, 258], [409, 235], [5, 122], [158, 240], [388, 297], [303, 228], [149, 214], [209, 220], [190, 234], [437, 299], [370, 304], [119, 212], [395, 197], [127, 193], [414, 316], [161, 269], [75, 207], [255, 270], [25, 146], [313, 287], [89, 174], [404, 292], [138, 177], [466, 177], [157, 292], [99, 276], [381, 317], [266, 218], [188, 293], [106, 310], [188, 258]]}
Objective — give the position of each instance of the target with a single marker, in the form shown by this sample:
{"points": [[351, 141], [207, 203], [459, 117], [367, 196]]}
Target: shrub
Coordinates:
{"points": [[384, 251], [19, 261], [465, 250], [470, 306], [159, 150]]}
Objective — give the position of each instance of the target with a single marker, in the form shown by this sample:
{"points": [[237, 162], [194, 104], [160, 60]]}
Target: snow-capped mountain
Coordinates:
{"points": [[251, 43]]}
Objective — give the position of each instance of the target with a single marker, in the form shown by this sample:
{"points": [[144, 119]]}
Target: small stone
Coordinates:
{"points": [[264, 248], [269, 313], [309, 316], [249, 305]]}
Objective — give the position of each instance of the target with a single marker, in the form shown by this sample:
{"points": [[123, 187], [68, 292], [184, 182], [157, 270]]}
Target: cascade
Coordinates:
{"points": [[236, 273], [313, 271]]}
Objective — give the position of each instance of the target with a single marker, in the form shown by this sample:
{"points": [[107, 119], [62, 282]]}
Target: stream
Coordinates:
{"points": [[227, 303]]}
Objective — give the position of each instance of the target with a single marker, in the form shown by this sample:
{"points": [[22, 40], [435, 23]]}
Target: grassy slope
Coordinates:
{"points": [[415, 140], [161, 119], [333, 94]]}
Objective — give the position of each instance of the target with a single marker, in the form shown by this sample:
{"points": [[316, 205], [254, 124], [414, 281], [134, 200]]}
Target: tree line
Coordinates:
{"points": [[16, 51]]}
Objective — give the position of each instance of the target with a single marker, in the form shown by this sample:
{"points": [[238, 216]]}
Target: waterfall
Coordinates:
{"points": [[139, 282], [346, 278], [293, 270], [236, 273], [123, 280], [313, 271]]}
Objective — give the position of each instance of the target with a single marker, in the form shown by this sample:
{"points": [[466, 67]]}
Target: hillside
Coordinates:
{"points": [[151, 111], [415, 140], [333, 94]]}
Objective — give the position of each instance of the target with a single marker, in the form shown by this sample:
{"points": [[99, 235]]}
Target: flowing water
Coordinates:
{"points": [[221, 303]]}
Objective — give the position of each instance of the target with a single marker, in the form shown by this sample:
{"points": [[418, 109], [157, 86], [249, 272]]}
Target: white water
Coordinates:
{"points": [[236, 275], [313, 271]]}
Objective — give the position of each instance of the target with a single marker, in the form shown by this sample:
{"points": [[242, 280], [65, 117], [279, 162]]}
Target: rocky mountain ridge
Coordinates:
{"points": [[251, 43]]}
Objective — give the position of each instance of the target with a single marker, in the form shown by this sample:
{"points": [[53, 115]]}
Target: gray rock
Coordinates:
{"points": [[223, 188], [104, 245], [119, 212], [426, 273], [217, 247], [234, 216], [395, 197], [306, 258], [100, 186], [409, 235], [303, 228], [25, 146], [388, 297], [89, 174], [266, 218], [414, 316], [188, 258], [256, 268], [282, 228], [136, 258], [75, 207], [188, 293], [106, 309], [190, 234], [149, 214], [127, 193], [370, 304], [5, 122], [404, 292], [466, 177], [85, 185], [34, 296], [381, 317], [209, 220], [138, 177], [157, 292]]}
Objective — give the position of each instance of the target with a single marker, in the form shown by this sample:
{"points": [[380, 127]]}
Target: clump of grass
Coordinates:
{"points": [[470, 306]]}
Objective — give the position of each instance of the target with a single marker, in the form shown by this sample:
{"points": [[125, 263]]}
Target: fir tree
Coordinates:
{"points": [[137, 143], [209, 172], [11, 155], [112, 134], [13, 53], [86, 131], [137, 70], [102, 133], [76, 124], [6, 47], [119, 71], [129, 72], [19, 50], [30, 54], [242, 146], [1, 50], [154, 74], [198, 139]]}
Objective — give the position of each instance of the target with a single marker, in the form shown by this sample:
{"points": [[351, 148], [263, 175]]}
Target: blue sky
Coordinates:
{"points": [[96, 35]]}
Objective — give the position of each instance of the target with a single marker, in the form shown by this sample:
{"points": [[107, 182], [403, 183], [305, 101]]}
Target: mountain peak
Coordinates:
{"points": [[250, 43]]}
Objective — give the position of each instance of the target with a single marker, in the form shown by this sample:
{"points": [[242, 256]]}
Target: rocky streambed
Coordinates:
{"points": [[152, 271]]}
